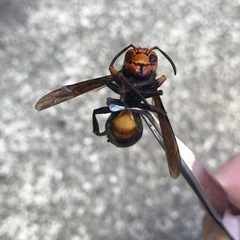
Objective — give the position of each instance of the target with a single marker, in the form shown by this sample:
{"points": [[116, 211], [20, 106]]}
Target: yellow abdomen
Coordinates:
{"points": [[124, 128]]}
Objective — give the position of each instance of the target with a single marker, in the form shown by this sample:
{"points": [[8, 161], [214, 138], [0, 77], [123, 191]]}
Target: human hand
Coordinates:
{"points": [[229, 177]]}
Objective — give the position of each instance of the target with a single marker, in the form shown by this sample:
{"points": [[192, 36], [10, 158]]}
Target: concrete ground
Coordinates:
{"points": [[60, 181]]}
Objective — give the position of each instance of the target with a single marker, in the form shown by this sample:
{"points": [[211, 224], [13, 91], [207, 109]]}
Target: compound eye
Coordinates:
{"points": [[153, 58], [129, 56]]}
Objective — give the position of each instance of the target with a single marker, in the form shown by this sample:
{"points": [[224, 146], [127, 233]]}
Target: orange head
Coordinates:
{"points": [[140, 62]]}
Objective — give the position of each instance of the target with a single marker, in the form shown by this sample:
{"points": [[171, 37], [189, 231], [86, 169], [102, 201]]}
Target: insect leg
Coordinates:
{"points": [[148, 94], [102, 110], [114, 87], [161, 80], [154, 109]]}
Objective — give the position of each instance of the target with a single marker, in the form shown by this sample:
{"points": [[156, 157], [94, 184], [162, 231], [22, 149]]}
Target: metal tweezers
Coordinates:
{"points": [[191, 170]]}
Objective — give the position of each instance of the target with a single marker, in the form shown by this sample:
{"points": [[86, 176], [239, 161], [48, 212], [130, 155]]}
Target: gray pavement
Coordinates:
{"points": [[57, 179]]}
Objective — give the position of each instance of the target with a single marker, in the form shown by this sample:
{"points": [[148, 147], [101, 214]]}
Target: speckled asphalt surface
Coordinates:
{"points": [[57, 179]]}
